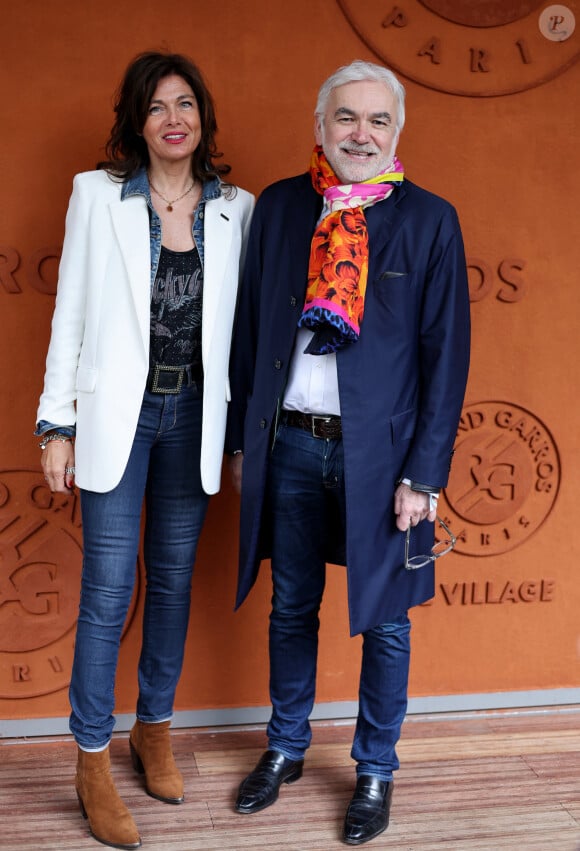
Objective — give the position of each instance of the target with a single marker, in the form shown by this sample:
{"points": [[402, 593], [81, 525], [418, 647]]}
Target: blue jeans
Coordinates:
{"points": [[164, 468], [305, 484]]}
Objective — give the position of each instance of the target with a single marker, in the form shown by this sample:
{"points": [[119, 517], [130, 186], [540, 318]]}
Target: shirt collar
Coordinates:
{"points": [[139, 185]]}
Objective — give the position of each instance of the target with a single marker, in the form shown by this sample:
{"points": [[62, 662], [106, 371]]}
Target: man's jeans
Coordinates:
{"points": [[164, 467], [306, 481]]}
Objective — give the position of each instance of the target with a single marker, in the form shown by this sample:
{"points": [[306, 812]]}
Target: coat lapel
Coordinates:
{"points": [[302, 214], [384, 220], [131, 226]]}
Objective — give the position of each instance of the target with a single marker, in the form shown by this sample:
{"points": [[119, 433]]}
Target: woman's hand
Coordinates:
{"points": [[58, 464]]}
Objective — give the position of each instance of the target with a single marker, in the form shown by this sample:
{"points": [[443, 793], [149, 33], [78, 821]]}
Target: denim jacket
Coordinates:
{"points": [[139, 185]]}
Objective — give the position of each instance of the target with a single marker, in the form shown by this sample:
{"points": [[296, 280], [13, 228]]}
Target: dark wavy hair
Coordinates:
{"points": [[126, 148]]}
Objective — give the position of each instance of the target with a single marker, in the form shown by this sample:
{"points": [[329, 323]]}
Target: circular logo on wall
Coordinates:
{"points": [[483, 48], [40, 572], [504, 480]]}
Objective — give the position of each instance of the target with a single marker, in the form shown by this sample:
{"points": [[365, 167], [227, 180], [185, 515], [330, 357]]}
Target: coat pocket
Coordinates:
{"points": [[86, 379], [389, 274], [403, 425], [396, 290]]}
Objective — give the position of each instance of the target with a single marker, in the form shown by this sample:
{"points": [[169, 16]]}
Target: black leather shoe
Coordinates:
{"points": [[261, 787], [368, 812]]}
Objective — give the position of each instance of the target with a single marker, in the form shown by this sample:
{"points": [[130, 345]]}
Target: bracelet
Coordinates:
{"points": [[48, 438]]}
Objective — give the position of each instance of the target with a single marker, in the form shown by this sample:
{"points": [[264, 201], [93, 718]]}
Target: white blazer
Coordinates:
{"points": [[98, 358]]}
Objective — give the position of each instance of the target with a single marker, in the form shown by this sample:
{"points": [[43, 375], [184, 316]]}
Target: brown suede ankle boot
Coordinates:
{"points": [[152, 756], [110, 821]]}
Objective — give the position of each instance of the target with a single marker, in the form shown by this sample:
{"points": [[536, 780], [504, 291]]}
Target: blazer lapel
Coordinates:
{"points": [[217, 240], [131, 226]]}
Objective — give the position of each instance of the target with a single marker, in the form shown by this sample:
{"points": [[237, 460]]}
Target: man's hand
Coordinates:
{"points": [[411, 507], [235, 464]]}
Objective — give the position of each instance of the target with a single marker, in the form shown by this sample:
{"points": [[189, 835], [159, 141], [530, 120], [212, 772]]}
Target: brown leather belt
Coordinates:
{"points": [[319, 425]]}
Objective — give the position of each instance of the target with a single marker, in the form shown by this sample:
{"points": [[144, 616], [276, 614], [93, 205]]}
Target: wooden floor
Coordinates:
{"points": [[485, 781]]}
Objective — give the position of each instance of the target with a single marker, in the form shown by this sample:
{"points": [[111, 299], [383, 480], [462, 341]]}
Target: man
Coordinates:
{"points": [[348, 373]]}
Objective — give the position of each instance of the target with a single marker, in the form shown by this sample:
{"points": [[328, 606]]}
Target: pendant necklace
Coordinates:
{"points": [[175, 200]]}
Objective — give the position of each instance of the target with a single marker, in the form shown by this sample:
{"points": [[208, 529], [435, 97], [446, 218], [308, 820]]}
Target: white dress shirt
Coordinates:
{"points": [[312, 380]]}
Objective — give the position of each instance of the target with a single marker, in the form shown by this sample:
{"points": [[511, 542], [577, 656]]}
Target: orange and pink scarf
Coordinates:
{"points": [[339, 255]]}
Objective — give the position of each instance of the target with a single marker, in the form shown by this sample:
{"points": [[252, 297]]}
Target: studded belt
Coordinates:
{"points": [[171, 379]]}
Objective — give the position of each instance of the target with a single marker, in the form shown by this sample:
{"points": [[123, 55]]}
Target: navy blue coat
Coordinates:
{"points": [[401, 385]]}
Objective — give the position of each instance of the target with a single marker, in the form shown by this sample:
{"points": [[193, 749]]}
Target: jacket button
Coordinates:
{"points": [[263, 423], [292, 302], [277, 364]]}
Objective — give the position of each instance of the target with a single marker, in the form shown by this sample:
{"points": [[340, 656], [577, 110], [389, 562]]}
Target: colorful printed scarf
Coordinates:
{"points": [[339, 255]]}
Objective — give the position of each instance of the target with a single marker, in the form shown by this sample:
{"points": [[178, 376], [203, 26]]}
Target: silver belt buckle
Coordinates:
{"points": [[313, 422]]}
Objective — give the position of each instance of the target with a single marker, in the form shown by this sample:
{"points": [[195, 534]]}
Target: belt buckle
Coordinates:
{"points": [[313, 424], [177, 371]]}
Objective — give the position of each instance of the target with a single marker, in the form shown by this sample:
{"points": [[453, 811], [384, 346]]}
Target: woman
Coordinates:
{"points": [[135, 400]]}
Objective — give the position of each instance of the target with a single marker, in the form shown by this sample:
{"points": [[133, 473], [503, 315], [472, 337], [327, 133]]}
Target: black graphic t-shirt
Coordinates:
{"points": [[176, 304]]}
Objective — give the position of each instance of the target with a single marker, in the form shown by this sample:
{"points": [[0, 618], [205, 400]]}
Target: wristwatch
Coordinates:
{"points": [[433, 493]]}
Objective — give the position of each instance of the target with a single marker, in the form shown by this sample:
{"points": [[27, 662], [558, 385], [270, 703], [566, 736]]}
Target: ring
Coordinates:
{"points": [[70, 470]]}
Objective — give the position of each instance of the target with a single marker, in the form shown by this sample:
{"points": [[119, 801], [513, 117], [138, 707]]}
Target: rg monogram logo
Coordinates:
{"points": [[504, 480], [40, 570]]}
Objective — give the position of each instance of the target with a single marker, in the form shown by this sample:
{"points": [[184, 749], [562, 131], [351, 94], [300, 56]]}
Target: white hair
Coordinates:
{"points": [[358, 71]]}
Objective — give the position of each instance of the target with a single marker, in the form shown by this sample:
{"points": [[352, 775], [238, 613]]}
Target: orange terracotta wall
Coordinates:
{"points": [[505, 615]]}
